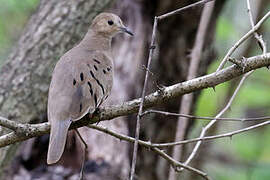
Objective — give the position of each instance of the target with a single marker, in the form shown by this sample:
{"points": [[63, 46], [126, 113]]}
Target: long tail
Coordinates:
{"points": [[58, 136]]}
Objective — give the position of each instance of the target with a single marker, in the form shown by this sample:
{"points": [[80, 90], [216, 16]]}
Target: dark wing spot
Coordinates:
{"points": [[91, 90], [96, 61], [81, 76], [108, 69], [95, 98], [92, 74], [80, 107], [104, 71], [101, 86], [95, 67], [74, 82], [88, 65]]}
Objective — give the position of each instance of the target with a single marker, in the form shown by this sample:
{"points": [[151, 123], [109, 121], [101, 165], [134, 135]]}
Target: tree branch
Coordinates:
{"points": [[149, 144], [176, 165], [229, 134], [206, 118], [202, 2], [158, 97], [240, 41]]}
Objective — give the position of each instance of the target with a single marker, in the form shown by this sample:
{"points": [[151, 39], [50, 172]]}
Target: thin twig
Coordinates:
{"points": [[240, 41], [207, 138], [207, 118], [137, 133], [148, 145], [178, 165], [187, 99], [161, 17], [173, 162], [256, 35], [209, 125]]}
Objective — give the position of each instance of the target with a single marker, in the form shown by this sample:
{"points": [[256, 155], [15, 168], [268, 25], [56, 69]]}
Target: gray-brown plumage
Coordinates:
{"points": [[82, 80]]}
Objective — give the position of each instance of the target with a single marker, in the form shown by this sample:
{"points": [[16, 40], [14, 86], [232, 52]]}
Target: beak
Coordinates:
{"points": [[124, 29]]}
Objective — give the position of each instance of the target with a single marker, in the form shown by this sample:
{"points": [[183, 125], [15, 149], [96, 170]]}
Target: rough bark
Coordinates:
{"points": [[53, 29]]}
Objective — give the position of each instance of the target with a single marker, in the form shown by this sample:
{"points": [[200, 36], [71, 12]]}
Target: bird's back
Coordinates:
{"points": [[81, 87]]}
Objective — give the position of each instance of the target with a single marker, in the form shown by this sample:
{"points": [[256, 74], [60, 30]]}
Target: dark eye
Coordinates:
{"points": [[110, 22]]}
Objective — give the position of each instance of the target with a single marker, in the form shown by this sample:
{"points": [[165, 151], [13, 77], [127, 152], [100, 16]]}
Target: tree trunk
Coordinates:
{"points": [[55, 28], [52, 30]]}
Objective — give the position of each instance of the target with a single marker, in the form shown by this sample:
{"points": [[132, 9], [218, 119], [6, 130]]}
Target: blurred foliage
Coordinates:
{"points": [[13, 16], [248, 154]]}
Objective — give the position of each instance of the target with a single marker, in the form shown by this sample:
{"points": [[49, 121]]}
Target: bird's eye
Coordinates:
{"points": [[110, 22]]}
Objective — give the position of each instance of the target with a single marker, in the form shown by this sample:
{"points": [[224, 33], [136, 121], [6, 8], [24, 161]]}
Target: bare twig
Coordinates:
{"points": [[240, 41], [161, 17], [137, 133], [187, 99], [229, 134], [174, 163], [177, 165], [209, 125], [130, 107], [148, 145], [256, 35], [207, 118]]}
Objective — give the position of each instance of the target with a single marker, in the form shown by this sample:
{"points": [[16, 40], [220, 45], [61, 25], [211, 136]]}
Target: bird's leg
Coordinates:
{"points": [[84, 155]]}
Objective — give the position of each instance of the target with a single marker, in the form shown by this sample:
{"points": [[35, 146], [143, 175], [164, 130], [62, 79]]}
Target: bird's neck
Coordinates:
{"points": [[94, 41]]}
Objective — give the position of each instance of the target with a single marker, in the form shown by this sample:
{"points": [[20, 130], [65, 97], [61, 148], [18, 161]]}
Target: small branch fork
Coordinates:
{"points": [[243, 39], [256, 35], [23, 132]]}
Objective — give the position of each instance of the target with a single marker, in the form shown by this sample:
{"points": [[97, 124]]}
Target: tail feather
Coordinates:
{"points": [[58, 136]]}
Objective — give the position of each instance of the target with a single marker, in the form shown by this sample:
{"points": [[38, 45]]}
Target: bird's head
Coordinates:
{"points": [[109, 24]]}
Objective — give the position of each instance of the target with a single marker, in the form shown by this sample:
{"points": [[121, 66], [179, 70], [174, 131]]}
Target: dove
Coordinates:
{"points": [[82, 80]]}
